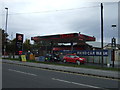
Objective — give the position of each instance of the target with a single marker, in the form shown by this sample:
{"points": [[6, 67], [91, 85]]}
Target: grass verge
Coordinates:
{"points": [[72, 65]]}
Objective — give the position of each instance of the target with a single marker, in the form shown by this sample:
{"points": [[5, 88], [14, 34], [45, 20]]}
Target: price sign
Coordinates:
{"points": [[19, 43]]}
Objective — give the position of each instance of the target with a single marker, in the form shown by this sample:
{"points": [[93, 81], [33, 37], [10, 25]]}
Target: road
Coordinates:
{"points": [[16, 76]]}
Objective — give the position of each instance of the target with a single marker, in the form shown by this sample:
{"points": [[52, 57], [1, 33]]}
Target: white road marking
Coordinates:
{"points": [[22, 72], [76, 83]]}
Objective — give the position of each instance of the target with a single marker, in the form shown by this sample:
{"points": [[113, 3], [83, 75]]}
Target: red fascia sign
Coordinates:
{"points": [[34, 38], [66, 35], [87, 38], [61, 36]]}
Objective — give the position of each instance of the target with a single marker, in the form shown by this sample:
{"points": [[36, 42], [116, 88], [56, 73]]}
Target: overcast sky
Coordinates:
{"points": [[48, 17]]}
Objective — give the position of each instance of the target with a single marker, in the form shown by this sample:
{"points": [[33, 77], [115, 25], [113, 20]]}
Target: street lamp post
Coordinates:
{"points": [[6, 19], [5, 30]]}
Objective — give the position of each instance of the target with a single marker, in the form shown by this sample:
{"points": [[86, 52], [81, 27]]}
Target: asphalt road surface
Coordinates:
{"points": [[16, 76]]}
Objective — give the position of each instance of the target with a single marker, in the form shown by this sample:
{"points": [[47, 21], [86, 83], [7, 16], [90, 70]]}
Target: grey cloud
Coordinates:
{"points": [[86, 20]]}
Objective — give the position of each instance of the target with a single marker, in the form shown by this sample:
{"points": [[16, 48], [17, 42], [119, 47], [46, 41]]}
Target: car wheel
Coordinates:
{"points": [[78, 62], [64, 61]]}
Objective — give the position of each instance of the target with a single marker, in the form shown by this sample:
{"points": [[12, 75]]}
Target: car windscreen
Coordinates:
{"points": [[74, 56]]}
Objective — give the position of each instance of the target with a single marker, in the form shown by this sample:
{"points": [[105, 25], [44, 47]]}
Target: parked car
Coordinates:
{"points": [[48, 57], [74, 59], [52, 57]]}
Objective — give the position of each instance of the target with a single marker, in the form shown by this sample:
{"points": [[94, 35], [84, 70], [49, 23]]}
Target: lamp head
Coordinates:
{"points": [[6, 8]]}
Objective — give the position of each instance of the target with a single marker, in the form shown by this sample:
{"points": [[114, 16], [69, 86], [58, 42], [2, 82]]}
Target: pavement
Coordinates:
{"points": [[85, 71]]}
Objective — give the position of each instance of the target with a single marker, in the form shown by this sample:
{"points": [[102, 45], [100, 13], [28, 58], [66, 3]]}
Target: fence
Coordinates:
{"points": [[92, 56]]}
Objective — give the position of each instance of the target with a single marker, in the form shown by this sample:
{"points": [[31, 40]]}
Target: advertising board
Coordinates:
{"points": [[87, 52], [19, 43]]}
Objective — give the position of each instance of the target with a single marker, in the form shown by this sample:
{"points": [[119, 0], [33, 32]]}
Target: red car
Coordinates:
{"points": [[74, 58]]}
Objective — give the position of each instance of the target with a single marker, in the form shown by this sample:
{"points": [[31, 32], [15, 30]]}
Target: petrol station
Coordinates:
{"points": [[52, 43]]}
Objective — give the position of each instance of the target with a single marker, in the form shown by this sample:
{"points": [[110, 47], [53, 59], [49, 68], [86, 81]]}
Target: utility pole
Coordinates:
{"points": [[102, 32]]}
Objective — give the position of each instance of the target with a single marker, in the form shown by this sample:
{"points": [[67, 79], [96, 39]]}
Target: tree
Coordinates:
{"points": [[4, 40], [11, 47], [26, 46]]}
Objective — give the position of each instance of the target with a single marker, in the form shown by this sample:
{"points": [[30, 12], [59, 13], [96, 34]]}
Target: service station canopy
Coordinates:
{"points": [[64, 38]]}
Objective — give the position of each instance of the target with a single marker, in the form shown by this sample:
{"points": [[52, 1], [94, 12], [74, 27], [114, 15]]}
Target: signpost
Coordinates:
{"points": [[113, 50], [19, 45]]}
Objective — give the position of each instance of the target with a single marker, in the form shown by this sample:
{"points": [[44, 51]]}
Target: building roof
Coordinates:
{"points": [[105, 45], [96, 44], [109, 46]]}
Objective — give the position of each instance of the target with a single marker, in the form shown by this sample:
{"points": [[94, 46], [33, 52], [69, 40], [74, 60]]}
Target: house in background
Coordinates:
{"points": [[117, 50], [107, 46], [96, 45]]}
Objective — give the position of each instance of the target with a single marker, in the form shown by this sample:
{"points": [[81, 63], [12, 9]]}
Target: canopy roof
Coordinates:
{"points": [[64, 38]]}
